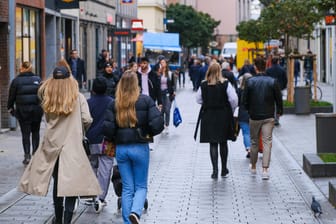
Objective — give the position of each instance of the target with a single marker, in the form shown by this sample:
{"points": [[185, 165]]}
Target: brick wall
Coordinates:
{"points": [[32, 3], [4, 77]]}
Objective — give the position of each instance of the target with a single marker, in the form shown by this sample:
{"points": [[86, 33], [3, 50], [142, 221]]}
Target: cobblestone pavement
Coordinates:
{"points": [[180, 187]]}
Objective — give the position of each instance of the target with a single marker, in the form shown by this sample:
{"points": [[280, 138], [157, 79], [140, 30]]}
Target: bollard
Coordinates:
{"points": [[302, 99], [325, 135]]}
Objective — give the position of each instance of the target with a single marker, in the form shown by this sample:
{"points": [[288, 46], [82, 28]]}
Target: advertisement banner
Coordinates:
{"points": [[127, 1], [67, 4]]}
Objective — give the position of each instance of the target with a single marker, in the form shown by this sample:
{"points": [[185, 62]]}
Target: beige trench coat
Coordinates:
{"points": [[63, 140]]}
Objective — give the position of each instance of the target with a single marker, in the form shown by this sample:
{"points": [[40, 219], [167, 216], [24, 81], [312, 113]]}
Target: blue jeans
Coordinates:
{"points": [[245, 127], [133, 163]]}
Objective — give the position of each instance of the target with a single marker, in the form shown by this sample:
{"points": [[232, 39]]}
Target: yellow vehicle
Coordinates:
{"points": [[246, 50]]}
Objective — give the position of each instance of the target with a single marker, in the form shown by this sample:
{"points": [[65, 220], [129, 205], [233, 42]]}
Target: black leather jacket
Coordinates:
{"points": [[260, 96]]}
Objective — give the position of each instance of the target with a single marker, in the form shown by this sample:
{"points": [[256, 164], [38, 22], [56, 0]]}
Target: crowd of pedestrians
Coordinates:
{"points": [[127, 109]]}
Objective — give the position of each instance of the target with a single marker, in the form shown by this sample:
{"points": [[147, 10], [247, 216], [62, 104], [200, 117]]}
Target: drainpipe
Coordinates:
{"points": [[11, 50], [334, 66]]}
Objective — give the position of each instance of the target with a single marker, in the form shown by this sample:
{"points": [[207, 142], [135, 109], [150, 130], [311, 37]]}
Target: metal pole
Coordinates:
{"points": [[11, 49], [334, 66]]}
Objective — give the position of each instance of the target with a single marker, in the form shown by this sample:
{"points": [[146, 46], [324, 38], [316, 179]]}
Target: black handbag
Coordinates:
{"points": [[85, 140], [86, 145]]}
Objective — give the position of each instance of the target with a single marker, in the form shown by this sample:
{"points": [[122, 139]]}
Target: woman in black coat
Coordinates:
{"points": [[23, 103], [218, 99]]}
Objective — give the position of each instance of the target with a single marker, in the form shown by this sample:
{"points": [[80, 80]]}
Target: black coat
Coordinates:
{"points": [[216, 117], [150, 122], [153, 85], [23, 94], [261, 93], [278, 73], [81, 73], [111, 83]]}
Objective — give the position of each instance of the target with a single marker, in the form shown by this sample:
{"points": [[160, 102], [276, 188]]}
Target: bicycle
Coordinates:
{"points": [[315, 95]]}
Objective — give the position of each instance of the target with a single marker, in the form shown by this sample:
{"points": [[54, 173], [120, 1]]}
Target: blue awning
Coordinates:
{"points": [[162, 41]]}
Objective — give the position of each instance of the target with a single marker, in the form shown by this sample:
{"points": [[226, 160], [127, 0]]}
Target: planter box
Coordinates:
{"points": [[315, 167], [313, 110], [332, 192], [326, 109]]}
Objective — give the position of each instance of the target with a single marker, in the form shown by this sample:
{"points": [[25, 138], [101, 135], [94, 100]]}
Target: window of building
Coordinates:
{"points": [[27, 42]]}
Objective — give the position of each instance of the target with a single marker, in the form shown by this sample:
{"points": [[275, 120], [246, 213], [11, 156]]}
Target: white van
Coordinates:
{"points": [[229, 49]]}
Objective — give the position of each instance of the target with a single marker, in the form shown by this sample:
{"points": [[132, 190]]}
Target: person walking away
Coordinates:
{"points": [[203, 69], [61, 151], [261, 94], [102, 163], [131, 121], [247, 68], [280, 75], [167, 87], [296, 70], [111, 79], [226, 72], [243, 116], [24, 104], [308, 67], [195, 75], [77, 66], [218, 99]]}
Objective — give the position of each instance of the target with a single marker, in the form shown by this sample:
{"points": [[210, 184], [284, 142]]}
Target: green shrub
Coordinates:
{"points": [[312, 103], [328, 157]]}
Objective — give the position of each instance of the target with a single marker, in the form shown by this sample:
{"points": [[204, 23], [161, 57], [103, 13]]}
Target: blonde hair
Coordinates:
{"points": [[26, 67], [214, 74], [127, 94], [59, 96]]}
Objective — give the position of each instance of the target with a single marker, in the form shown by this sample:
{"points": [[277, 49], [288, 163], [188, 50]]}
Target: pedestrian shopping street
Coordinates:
{"points": [[180, 188]]}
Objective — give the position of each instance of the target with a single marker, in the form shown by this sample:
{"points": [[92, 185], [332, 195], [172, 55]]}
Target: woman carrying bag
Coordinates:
{"points": [[218, 99], [61, 153]]}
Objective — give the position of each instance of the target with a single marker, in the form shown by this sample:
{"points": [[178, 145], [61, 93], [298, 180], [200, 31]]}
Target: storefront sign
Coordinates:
{"points": [[137, 25], [121, 32], [330, 19], [67, 4]]}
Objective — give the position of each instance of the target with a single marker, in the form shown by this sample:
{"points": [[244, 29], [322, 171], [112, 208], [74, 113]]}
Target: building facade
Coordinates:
{"points": [[152, 12], [22, 38]]}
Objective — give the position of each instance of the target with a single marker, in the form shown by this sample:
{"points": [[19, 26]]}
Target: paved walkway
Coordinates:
{"points": [[180, 187]]}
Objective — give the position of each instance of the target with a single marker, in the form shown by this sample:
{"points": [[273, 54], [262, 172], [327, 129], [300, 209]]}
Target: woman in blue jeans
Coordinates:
{"points": [[243, 116], [131, 120]]}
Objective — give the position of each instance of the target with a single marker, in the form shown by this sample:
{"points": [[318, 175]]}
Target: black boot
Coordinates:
{"points": [[26, 159], [67, 217], [58, 215], [214, 160], [224, 156]]}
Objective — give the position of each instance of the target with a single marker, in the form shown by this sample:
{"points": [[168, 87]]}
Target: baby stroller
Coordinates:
{"points": [[117, 185]]}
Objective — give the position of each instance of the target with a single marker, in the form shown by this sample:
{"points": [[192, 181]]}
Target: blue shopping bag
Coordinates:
{"points": [[177, 119]]}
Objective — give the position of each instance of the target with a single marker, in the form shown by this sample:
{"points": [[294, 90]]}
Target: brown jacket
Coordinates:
{"points": [[62, 140]]}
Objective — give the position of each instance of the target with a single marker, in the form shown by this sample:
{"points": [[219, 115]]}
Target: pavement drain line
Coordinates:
{"points": [[10, 198], [305, 186]]}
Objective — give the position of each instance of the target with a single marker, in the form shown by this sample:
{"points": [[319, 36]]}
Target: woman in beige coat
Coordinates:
{"points": [[61, 153]]}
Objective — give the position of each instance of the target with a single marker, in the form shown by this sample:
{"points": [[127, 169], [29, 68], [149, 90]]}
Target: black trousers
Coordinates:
{"points": [[30, 128], [69, 204]]}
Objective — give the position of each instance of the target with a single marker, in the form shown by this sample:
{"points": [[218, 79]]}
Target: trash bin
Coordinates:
{"points": [[302, 99], [325, 135]]}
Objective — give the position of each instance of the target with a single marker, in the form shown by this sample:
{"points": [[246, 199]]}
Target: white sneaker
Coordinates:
{"points": [[265, 175], [253, 171]]}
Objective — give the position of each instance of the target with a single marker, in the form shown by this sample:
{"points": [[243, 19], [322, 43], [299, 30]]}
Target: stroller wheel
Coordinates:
{"points": [[146, 204], [119, 203]]}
